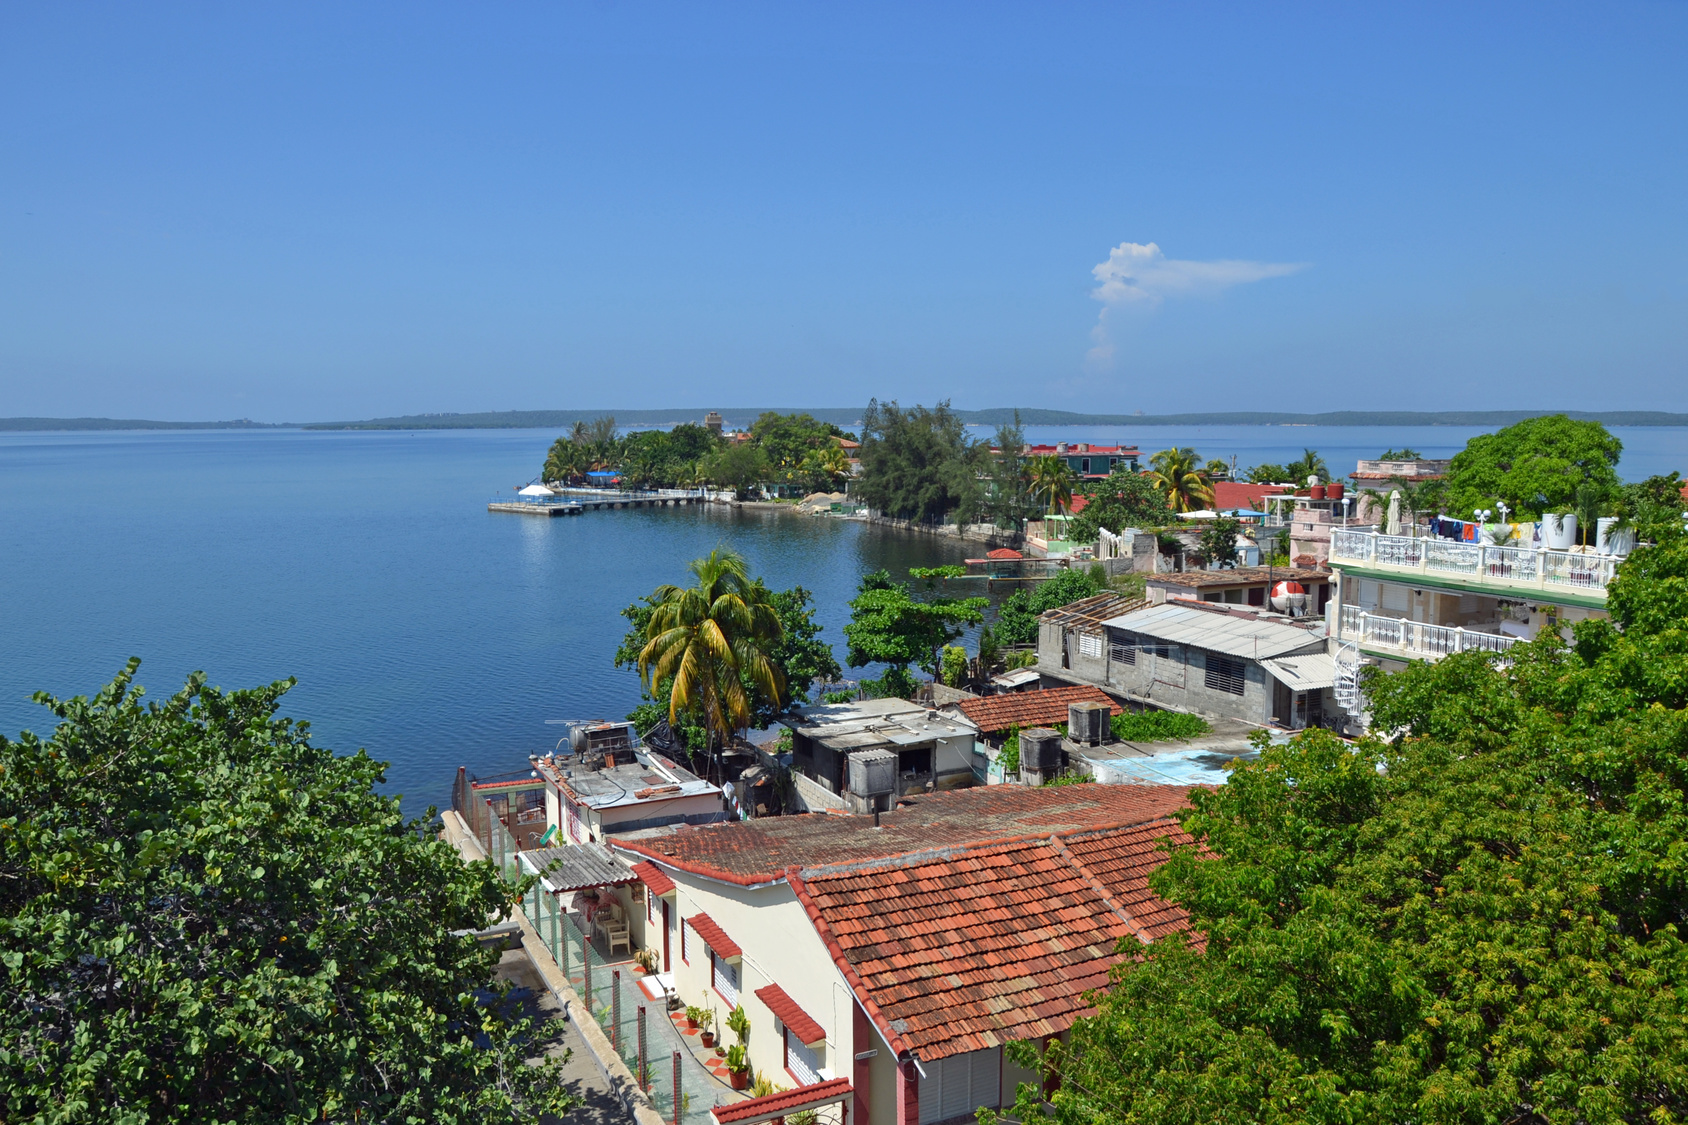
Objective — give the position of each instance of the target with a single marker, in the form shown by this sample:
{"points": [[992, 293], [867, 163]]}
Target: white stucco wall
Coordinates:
{"points": [[780, 947]]}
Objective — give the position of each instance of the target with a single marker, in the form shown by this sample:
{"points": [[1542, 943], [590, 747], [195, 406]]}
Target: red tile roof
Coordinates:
{"points": [[784, 1102], [1030, 708], [1004, 553], [958, 951], [785, 1009], [654, 877], [1230, 494], [714, 936], [759, 851]]}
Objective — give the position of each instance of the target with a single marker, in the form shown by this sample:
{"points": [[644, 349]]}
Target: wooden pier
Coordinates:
{"points": [[574, 502]]}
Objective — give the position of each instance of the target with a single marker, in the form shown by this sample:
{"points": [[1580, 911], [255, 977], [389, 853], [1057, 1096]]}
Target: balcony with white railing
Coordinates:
{"points": [[1414, 640], [1503, 571]]}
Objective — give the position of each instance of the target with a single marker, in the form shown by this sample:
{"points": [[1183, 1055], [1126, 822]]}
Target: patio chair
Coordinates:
{"points": [[619, 933]]}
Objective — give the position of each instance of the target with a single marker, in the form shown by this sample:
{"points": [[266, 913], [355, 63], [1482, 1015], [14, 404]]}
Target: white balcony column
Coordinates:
{"points": [[1459, 638]]}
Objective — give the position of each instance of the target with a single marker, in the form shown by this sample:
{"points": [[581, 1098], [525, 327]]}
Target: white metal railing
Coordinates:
{"points": [[1415, 638], [1515, 566]]}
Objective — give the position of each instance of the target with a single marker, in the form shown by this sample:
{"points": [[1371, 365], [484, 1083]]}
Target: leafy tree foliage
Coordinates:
{"points": [[1016, 621], [799, 449], [1268, 473], [889, 625], [1219, 543], [1009, 498], [1123, 499], [801, 655], [919, 464], [1479, 920], [207, 918], [1534, 466], [739, 466], [665, 458], [1402, 454]]}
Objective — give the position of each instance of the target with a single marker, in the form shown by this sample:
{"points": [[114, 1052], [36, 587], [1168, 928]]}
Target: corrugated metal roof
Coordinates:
{"points": [[575, 867], [1306, 672], [1233, 634]]}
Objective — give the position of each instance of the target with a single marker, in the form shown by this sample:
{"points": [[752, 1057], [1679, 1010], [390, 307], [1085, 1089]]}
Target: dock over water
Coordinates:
{"points": [[574, 501]]}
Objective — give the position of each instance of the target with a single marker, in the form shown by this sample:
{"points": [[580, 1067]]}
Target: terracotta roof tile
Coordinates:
{"points": [[759, 851], [714, 936], [653, 877], [784, 1102], [975, 948], [795, 1019], [1030, 708]]}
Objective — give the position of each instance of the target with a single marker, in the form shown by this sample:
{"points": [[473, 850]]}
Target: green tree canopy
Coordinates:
{"points": [[1009, 498], [919, 464], [706, 642], [205, 917], [790, 439], [1016, 620], [739, 466], [1535, 466], [1480, 920], [889, 625], [1123, 499]]}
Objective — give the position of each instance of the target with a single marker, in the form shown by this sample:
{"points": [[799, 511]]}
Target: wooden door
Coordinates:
{"points": [[665, 932]]}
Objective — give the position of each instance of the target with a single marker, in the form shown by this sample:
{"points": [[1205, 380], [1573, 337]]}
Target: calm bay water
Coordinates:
{"points": [[420, 626]]}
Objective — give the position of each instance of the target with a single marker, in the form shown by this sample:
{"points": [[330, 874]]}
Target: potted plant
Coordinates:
{"points": [[706, 1023], [740, 1023], [738, 1066], [646, 960], [693, 1015]]}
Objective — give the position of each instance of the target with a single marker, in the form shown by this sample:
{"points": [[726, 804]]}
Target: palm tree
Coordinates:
{"points": [[1186, 486], [1310, 464], [1052, 481], [709, 640]]}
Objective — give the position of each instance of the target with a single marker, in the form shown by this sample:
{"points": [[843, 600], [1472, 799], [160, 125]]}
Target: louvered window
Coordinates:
{"points": [[800, 1061], [959, 1085], [1226, 673]]}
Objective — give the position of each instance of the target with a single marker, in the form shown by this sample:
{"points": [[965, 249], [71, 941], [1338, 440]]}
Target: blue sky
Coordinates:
{"points": [[298, 212]]}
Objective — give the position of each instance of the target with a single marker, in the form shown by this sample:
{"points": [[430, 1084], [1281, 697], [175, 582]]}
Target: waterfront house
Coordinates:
{"points": [[1087, 461], [899, 954], [869, 752], [1219, 660], [609, 782]]}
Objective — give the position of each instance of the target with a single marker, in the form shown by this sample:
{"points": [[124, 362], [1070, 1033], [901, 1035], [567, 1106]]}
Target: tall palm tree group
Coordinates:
{"points": [[713, 642]]}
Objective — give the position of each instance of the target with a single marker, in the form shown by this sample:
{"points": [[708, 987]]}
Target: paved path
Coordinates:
{"points": [[582, 1074]]}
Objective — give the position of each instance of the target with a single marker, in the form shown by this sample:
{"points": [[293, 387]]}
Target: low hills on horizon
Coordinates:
{"points": [[851, 416]]}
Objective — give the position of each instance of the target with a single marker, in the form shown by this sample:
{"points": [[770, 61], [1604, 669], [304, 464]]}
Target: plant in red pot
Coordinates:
{"points": [[705, 1023], [738, 1066]]}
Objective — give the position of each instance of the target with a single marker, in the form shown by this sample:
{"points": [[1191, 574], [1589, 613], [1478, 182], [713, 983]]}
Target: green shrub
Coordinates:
{"points": [[1158, 726], [1009, 757]]}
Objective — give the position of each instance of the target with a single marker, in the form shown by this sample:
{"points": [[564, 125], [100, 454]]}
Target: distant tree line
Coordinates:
{"points": [[779, 449]]}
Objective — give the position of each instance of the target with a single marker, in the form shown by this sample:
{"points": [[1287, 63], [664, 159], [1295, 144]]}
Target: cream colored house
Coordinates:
{"points": [[853, 942]]}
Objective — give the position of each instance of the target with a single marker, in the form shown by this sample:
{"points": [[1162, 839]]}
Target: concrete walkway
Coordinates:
{"points": [[582, 1073]]}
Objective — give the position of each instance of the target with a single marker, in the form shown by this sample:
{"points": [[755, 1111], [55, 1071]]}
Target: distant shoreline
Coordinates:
{"points": [[849, 416]]}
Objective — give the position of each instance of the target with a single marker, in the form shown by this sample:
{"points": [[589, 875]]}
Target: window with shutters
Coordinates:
{"points": [[1089, 645], [685, 927], [724, 978], [800, 1061], [1226, 673], [959, 1085], [1122, 649]]}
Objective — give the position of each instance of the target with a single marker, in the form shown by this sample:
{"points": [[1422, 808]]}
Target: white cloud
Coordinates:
{"points": [[1139, 275]]}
